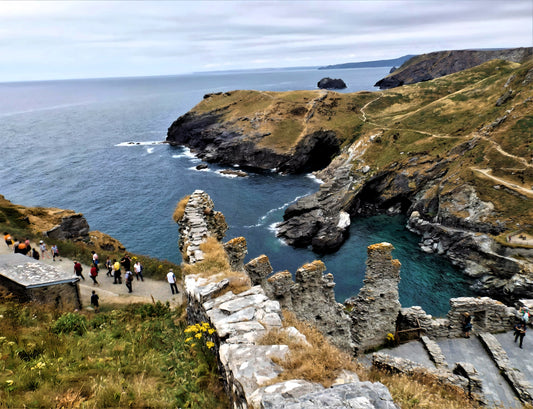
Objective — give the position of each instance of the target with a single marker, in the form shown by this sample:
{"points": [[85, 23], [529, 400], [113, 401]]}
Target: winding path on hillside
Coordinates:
{"points": [[526, 191]]}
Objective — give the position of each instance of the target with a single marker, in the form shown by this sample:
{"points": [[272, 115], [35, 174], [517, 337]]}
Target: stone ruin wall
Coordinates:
{"points": [[242, 319], [370, 316]]}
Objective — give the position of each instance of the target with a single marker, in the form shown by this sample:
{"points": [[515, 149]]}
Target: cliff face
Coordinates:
{"points": [[453, 153], [426, 67], [258, 130]]}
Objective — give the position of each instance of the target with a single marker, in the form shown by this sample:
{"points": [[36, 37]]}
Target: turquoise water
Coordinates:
{"points": [[64, 146]]}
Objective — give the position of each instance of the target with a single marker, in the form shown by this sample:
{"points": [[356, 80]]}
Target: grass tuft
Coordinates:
{"points": [[180, 209]]}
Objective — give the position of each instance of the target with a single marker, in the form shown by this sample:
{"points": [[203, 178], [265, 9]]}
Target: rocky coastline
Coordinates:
{"points": [[461, 200]]}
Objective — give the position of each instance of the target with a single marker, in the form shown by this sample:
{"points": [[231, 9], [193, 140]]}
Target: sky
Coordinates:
{"points": [[89, 39]]}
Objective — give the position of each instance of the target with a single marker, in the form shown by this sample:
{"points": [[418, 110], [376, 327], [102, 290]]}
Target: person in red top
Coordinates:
{"points": [[94, 273], [78, 269]]}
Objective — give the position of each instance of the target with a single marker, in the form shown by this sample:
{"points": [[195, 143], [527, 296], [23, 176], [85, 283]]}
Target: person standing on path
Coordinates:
{"points": [[138, 269], [116, 272], [109, 265], [467, 324], [171, 278], [95, 258], [44, 252], [94, 301], [126, 262], [78, 269], [55, 252], [520, 332], [8, 239], [94, 273], [129, 280]]}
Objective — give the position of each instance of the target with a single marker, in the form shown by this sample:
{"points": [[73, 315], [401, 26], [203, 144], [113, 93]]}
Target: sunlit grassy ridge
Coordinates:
{"points": [[479, 120], [135, 356]]}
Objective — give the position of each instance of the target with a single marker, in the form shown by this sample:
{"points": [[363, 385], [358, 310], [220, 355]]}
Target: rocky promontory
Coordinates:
{"points": [[426, 67], [270, 133]]}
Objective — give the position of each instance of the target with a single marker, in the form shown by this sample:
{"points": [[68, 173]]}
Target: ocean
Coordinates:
{"points": [[67, 144]]}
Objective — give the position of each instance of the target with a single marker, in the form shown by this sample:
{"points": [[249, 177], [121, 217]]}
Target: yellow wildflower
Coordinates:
{"points": [[188, 339], [9, 382], [199, 335], [210, 330], [210, 344]]}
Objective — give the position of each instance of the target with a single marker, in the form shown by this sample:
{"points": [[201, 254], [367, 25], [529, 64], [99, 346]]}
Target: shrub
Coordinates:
{"points": [[70, 322]]}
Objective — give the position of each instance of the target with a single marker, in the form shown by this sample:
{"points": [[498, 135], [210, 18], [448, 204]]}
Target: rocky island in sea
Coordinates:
{"points": [[453, 154]]}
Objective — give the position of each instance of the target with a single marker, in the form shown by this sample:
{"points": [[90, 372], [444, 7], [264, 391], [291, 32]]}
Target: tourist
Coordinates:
{"points": [[78, 269], [126, 262], [520, 332], [138, 269], [95, 258], [171, 278], [16, 243], [129, 279], [35, 254], [44, 252], [94, 301], [94, 273], [109, 265], [55, 252], [8, 239], [116, 272], [524, 314], [467, 324]]}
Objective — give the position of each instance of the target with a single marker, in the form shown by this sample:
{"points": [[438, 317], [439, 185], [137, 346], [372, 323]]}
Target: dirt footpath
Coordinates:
{"points": [[143, 291]]}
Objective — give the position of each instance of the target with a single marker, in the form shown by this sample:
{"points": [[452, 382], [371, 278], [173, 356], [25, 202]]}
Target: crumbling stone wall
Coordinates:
{"points": [[240, 320], [375, 309], [488, 315], [247, 367], [310, 296], [199, 221]]}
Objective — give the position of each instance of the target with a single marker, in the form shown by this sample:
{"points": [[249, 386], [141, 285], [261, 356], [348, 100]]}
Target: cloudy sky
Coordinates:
{"points": [[82, 39]]}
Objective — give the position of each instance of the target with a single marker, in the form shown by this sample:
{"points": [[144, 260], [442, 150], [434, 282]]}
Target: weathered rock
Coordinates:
{"points": [[437, 64], [236, 249], [231, 144], [375, 309], [71, 227], [331, 83]]}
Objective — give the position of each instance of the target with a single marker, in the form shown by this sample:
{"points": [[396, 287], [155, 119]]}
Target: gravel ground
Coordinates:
{"points": [[143, 291]]}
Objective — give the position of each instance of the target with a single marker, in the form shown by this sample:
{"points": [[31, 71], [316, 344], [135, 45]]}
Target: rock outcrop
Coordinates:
{"points": [[331, 83], [279, 137], [426, 67]]}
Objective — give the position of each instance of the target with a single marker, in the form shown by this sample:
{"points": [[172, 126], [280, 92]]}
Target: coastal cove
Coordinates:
{"points": [[65, 145]]}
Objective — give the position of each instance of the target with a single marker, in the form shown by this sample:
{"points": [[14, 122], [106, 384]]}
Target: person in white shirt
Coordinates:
{"points": [[171, 278]]}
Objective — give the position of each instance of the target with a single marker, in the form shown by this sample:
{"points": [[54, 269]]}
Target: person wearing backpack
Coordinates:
{"points": [[520, 332], [129, 279]]}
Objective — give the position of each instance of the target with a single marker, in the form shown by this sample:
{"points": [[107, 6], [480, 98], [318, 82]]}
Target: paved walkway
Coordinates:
{"points": [[497, 390], [143, 291]]}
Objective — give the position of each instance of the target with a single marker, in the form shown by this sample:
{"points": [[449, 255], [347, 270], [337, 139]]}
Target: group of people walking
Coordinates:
{"points": [[114, 270], [24, 247]]}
